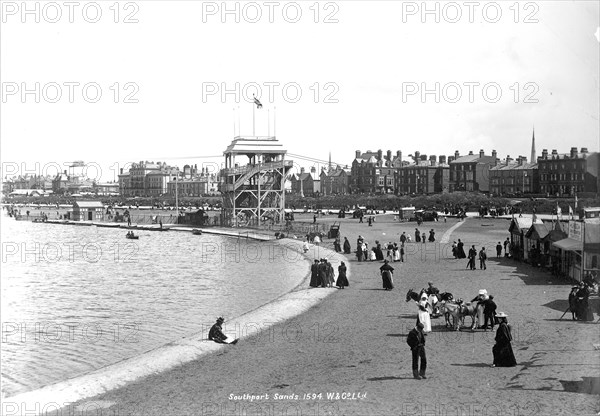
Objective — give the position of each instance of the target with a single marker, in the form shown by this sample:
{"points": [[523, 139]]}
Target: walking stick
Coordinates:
{"points": [[568, 309]]}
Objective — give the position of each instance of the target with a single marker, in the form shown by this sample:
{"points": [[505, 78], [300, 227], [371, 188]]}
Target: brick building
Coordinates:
{"points": [[372, 172], [471, 172], [568, 173], [423, 176], [514, 177]]}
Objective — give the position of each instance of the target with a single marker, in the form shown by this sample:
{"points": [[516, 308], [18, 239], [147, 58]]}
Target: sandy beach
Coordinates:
{"points": [[347, 355]]}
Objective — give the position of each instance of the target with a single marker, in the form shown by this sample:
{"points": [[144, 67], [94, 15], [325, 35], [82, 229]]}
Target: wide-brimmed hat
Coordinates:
{"points": [[482, 292], [220, 319], [501, 315]]}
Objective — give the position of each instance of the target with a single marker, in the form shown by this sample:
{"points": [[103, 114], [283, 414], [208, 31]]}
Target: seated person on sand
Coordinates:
{"points": [[216, 333]]}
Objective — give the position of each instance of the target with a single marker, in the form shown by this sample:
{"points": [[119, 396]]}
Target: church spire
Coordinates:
{"points": [[533, 157]]}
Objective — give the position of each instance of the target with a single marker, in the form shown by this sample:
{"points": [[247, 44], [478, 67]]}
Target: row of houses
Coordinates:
{"points": [[154, 179], [553, 174], [37, 185], [568, 248]]}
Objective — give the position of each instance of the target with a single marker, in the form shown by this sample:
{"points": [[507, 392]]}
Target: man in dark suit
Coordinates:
{"points": [[489, 312], [416, 341]]}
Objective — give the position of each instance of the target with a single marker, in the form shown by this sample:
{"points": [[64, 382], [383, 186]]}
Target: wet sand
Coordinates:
{"points": [[347, 355]]}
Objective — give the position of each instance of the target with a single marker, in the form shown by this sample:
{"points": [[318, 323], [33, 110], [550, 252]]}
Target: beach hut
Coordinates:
{"points": [[591, 247], [88, 211], [533, 243], [550, 253], [517, 229]]}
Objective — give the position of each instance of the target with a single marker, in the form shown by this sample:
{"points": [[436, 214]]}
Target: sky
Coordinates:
{"points": [[176, 80]]}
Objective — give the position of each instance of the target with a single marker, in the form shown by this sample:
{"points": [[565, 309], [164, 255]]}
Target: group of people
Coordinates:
{"points": [[473, 255], [393, 253], [422, 238], [502, 352], [322, 275]]}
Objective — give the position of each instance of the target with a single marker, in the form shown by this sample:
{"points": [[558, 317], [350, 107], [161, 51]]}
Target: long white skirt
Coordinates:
{"points": [[425, 320]]}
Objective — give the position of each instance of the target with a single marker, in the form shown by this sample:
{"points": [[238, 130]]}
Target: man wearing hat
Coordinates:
{"points": [[416, 341], [216, 333]]}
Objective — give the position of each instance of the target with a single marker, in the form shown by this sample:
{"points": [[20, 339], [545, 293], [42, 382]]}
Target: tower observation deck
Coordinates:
{"points": [[253, 192]]}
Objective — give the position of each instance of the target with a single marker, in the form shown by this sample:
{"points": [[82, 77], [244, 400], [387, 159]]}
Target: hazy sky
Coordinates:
{"points": [[364, 63]]}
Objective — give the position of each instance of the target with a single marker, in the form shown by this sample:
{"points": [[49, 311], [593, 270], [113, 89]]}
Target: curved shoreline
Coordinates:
{"points": [[186, 349]]}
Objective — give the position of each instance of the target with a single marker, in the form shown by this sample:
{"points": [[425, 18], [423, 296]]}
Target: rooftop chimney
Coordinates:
{"points": [[508, 159], [470, 152], [121, 170], [450, 159], [313, 169], [432, 159], [301, 170], [554, 154], [545, 154], [456, 154], [494, 154], [357, 154], [573, 152], [424, 157], [481, 153], [584, 150], [442, 160], [417, 156], [379, 154], [389, 155]]}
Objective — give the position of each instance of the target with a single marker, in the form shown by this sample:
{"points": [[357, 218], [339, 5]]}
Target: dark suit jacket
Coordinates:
{"points": [[415, 339]]}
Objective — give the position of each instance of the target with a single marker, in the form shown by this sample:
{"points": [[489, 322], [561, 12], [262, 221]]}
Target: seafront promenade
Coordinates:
{"points": [[347, 354]]}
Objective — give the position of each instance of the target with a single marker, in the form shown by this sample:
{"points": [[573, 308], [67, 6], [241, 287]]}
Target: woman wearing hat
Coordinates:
{"points": [[502, 350], [481, 298], [423, 314], [387, 275]]}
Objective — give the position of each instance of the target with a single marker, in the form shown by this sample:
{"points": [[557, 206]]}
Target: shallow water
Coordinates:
{"points": [[77, 298]]}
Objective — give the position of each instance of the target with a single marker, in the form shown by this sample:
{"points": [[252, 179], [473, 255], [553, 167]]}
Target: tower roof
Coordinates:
{"points": [[255, 145]]}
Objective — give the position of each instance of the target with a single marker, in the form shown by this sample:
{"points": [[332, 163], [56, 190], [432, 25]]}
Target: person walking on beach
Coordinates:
{"points": [[416, 342], [216, 333], [315, 219], [506, 246], [482, 258], [402, 253], [417, 235], [323, 279], [342, 280], [387, 273], [314, 274], [460, 251], [502, 350], [347, 248], [498, 249], [472, 255], [489, 312], [403, 237], [423, 238], [330, 274], [431, 236]]}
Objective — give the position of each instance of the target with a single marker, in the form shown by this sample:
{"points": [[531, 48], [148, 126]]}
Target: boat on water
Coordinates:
{"points": [[196, 231], [133, 237]]}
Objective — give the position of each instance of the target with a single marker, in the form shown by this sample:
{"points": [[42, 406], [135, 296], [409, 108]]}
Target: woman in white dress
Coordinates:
{"points": [[423, 315], [481, 297]]}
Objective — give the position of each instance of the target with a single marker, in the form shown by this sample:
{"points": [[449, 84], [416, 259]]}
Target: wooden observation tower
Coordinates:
{"points": [[254, 192]]}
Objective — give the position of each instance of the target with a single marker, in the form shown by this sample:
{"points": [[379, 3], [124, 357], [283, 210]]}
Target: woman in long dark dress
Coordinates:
{"points": [[387, 275], [502, 350], [342, 279], [314, 274], [460, 250], [347, 248]]}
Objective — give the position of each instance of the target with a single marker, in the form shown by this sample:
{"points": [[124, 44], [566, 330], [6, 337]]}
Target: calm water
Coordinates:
{"points": [[76, 298]]}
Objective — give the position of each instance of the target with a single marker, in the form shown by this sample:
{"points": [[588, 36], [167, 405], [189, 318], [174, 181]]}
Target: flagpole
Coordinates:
{"points": [[253, 118]]}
